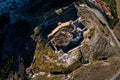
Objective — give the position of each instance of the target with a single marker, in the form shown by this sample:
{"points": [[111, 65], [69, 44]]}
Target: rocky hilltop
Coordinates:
{"points": [[73, 43], [59, 40]]}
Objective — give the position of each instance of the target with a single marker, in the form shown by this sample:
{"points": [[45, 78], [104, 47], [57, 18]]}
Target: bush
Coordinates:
{"points": [[4, 70]]}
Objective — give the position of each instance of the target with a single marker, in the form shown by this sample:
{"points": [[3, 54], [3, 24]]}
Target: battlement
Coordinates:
{"points": [[67, 36]]}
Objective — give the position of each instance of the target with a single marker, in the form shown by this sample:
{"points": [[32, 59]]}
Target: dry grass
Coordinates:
{"points": [[118, 8], [117, 31], [51, 65], [117, 27], [40, 77], [41, 63], [99, 70]]}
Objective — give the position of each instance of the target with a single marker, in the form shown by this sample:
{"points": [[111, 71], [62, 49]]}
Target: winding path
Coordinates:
{"points": [[118, 10], [101, 17]]}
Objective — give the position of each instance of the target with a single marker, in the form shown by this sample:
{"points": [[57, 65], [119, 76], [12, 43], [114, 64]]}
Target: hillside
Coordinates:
{"points": [[99, 51], [59, 39], [117, 27]]}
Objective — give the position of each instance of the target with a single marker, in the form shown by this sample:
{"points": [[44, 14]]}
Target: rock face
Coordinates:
{"points": [[73, 43]]}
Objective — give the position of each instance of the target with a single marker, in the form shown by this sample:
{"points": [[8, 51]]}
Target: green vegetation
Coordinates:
{"points": [[118, 8], [113, 8], [40, 77], [112, 5], [82, 1], [113, 22], [117, 31], [93, 6], [117, 27], [46, 60], [74, 66], [42, 63], [4, 70]]}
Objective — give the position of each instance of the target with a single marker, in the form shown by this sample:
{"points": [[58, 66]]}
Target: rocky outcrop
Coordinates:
{"points": [[17, 21], [83, 51], [95, 51]]}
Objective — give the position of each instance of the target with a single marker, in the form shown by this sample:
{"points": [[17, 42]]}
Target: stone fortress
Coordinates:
{"points": [[77, 37], [67, 37]]}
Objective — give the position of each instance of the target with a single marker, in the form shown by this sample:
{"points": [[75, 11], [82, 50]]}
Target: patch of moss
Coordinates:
{"points": [[112, 5], [92, 6], [39, 77], [82, 1], [74, 66], [112, 22], [41, 63], [4, 70], [118, 8], [51, 64], [113, 8]]}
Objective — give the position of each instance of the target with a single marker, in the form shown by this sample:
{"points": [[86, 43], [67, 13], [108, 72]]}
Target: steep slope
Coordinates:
{"points": [[117, 27]]}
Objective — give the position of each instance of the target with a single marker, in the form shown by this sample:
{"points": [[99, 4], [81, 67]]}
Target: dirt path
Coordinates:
{"points": [[100, 16]]}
